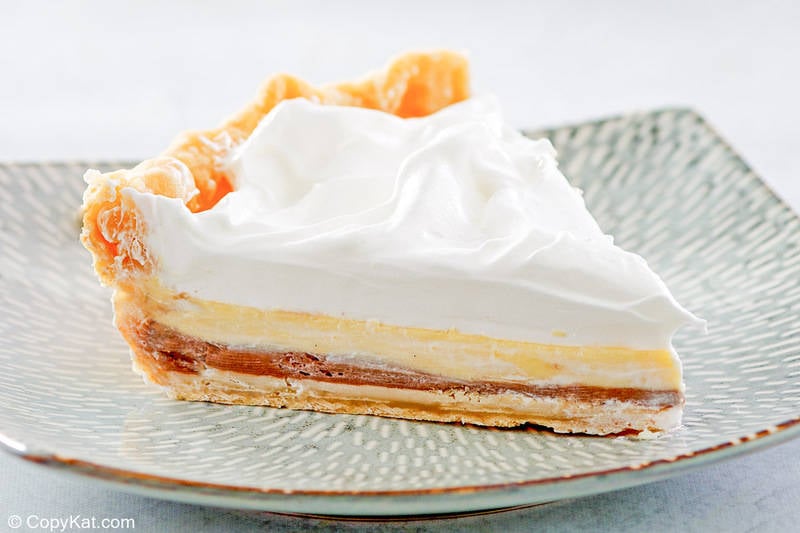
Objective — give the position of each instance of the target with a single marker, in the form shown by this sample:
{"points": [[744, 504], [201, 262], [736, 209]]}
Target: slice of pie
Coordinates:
{"points": [[385, 247]]}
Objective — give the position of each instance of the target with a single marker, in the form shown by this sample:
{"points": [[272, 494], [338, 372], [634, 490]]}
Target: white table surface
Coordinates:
{"points": [[108, 80]]}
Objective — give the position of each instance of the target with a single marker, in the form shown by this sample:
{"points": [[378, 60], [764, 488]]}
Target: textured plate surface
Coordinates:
{"points": [[663, 183]]}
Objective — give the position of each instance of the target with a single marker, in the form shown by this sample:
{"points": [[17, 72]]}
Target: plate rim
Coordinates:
{"points": [[521, 492]]}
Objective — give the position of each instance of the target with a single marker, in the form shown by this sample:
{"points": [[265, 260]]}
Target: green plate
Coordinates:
{"points": [[664, 183]]}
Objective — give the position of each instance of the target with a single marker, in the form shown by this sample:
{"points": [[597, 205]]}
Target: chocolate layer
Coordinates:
{"points": [[173, 351]]}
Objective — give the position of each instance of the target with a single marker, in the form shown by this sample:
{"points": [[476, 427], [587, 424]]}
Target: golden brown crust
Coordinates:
{"points": [[415, 84]]}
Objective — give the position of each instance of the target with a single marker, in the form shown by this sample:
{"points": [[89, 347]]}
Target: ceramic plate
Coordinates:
{"points": [[663, 183]]}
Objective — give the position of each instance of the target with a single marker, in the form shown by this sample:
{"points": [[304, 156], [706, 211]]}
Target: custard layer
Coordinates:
{"points": [[450, 353]]}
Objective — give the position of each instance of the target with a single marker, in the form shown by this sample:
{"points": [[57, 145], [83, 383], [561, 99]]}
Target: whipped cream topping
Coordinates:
{"points": [[451, 221]]}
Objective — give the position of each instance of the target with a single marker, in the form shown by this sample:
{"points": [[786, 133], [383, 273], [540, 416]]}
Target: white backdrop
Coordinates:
{"points": [[109, 79]]}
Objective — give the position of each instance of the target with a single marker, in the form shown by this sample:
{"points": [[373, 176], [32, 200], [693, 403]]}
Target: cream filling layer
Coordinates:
{"points": [[442, 352]]}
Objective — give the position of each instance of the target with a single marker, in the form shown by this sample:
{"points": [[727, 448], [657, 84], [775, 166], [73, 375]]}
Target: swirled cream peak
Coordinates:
{"points": [[451, 221]]}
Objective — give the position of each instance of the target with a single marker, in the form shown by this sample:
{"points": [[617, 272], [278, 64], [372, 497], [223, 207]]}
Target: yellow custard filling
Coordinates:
{"points": [[443, 352]]}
